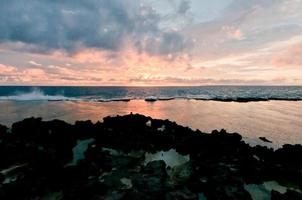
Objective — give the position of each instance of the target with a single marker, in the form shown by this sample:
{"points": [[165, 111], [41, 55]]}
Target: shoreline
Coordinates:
{"points": [[279, 121], [257, 141], [108, 159], [155, 99]]}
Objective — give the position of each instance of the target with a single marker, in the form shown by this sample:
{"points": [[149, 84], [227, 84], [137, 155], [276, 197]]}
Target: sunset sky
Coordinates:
{"points": [[150, 42]]}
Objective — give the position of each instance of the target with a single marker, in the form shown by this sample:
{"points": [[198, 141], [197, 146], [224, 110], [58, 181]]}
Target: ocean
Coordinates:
{"points": [[274, 112], [223, 93]]}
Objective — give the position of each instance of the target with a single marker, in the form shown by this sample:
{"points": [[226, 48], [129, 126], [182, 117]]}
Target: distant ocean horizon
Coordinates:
{"points": [[115, 93]]}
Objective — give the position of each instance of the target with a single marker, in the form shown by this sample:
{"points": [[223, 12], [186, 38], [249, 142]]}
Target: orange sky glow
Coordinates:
{"points": [[178, 42]]}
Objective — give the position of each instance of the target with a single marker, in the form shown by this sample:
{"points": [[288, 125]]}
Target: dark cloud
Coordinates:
{"points": [[184, 6], [47, 25], [68, 25], [167, 43]]}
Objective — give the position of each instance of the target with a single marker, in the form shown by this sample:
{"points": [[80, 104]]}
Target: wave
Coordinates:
{"points": [[35, 95], [223, 99], [247, 99], [38, 95], [151, 99]]}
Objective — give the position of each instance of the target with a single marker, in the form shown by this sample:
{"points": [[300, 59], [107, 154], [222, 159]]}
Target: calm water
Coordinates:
{"points": [[280, 121]]}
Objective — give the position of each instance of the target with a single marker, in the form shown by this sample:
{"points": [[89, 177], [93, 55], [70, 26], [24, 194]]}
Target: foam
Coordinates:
{"points": [[34, 95]]}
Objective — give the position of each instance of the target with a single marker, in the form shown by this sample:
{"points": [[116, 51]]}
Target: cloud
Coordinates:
{"points": [[34, 63], [245, 26], [289, 57], [8, 74], [184, 6], [169, 42], [49, 25], [6, 69], [233, 33], [166, 43], [172, 80], [48, 75], [64, 24]]}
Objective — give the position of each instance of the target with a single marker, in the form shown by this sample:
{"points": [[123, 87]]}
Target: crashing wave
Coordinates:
{"points": [[35, 95], [151, 99]]}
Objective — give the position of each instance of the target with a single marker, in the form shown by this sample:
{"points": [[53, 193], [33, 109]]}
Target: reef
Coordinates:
{"points": [[137, 157]]}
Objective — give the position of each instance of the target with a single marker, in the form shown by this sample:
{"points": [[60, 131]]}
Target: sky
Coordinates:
{"points": [[150, 42]]}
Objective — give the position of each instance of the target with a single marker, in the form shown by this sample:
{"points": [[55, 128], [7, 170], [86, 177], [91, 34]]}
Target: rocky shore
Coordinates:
{"points": [[136, 157]]}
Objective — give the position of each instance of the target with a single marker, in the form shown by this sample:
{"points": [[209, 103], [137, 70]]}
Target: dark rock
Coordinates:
{"points": [[84, 129], [265, 140], [182, 173], [37, 155], [153, 179], [3, 130], [151, 99], [181, 193], [155, 168], [289, 153], [289, 194]]}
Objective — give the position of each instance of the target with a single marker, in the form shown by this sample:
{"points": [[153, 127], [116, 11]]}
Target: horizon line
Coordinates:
{"points": [[210, 85]]}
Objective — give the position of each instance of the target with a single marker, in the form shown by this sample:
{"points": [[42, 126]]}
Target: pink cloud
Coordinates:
{"points": [[179, 80], [290, 57], [233, 32], [7, 69]]}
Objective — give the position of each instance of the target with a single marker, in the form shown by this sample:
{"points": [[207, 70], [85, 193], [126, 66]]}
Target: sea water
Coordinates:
{"points": [[276, 115]]}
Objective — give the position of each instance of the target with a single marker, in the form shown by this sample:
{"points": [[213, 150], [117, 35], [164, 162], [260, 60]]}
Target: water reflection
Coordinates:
{"points": [[171, 158], [279, 121]]}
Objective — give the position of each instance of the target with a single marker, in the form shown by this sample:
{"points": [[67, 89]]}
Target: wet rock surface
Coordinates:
{"points": [[107, 160]]}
